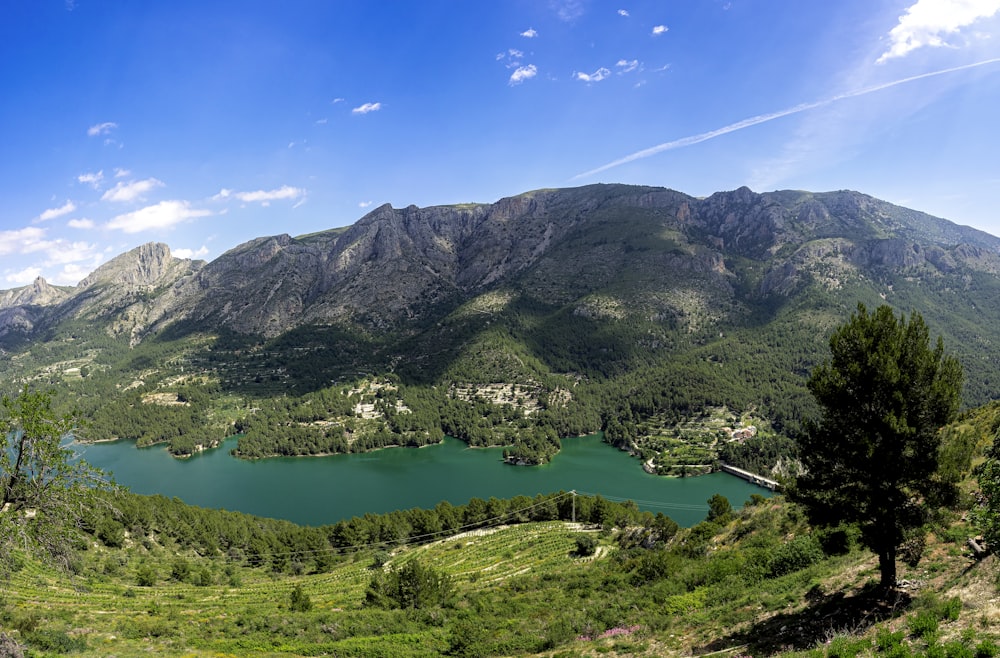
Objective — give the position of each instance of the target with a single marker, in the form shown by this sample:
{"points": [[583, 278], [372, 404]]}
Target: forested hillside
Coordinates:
{"points": [[672, 323]]}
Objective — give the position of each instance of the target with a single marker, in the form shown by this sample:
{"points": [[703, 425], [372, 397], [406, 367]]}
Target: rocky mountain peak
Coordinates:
{"points": [[143, 266]]}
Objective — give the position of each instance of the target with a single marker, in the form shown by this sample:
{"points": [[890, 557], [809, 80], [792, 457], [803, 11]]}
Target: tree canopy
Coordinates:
{"points": [[45, 490], [872, 457]]}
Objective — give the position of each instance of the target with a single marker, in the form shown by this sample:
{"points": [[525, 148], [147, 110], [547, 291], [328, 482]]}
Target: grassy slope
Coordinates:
{"points": [[521, 590]]}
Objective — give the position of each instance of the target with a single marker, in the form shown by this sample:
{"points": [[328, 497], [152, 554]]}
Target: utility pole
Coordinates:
{"points": [[574, 505]]}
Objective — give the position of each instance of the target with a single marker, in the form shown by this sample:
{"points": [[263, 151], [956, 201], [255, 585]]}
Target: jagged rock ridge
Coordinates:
{"points": [[605, 250]]}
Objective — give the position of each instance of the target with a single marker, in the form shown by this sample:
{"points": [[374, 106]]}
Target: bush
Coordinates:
{"points": [[950, 610], [300, 601], [986, 649], [145, 575], [55, 641], [412, 585], [799, 553], [585, 545], [924, 625]]}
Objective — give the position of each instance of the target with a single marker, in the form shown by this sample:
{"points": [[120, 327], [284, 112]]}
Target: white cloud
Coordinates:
{"points": [[530, 33], [523, 73], [367, 107], [131, 190], [72, 273], [80, 223], [101, 128], [62, 252], [92, 178], [21, 241], [515, 53], [928, 22], [623, 12], [190, 253], [122, 173], [365, 204], [660, 29], [52, 213], [337, 100], [162, 215], [627, 66], [262, 196], [24, 277], [322, 122], [596, 76], [57, 253]]}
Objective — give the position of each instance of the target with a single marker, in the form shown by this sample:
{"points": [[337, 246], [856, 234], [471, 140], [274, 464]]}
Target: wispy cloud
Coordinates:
{"points": [[164, 214], [623, 12], [764, 118], [101, 128], [522, 73], [596, 76], [568, 10], [929, 22], [92, 178], [130, 191], [262, 196], [660, 29], [80, 223], [627, 66], [122, 173], [530, 33], [52, 213], [367, 107], [56, 253], [365, 204]]}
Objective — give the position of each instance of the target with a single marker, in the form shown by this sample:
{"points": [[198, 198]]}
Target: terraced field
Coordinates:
{"points": [[110, 614]]}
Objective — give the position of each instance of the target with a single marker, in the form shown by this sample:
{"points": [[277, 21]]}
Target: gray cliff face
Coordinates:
{"points": [[603, 250]]}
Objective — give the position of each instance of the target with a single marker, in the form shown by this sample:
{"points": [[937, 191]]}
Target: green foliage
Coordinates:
{"points": [[799, 553], [146, 575], [885, 394], [299, 601], [413, 585], [986, 515], [44, 491], [586, 544], [55, 641], [719, 509]]}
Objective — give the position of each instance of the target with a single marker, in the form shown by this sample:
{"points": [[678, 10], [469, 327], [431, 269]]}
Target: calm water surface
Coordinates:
{"points": [[321, 490]]}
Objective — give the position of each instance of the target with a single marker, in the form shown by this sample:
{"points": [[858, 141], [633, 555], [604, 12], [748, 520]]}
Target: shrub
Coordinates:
{"points": [[412, 585], [950, 610], [794, 555], [55, 641], [585, 545], [924, 625], [300, 601], [145, 575]]}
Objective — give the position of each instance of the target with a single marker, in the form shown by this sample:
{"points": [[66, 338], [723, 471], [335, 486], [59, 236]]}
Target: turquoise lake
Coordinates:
{"points": [[321, 490]]}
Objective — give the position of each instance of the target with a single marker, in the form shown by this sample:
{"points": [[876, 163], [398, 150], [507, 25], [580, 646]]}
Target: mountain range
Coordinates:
{"points": [[729, 297]]}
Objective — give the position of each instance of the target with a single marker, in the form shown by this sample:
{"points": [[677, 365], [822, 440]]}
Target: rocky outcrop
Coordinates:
{"points": [[608, 251]]}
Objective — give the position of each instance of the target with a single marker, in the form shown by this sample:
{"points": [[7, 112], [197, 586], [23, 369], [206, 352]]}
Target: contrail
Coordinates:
{"points": [[764, 118]]}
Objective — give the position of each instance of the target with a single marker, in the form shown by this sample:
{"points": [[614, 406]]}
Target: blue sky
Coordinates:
{"points": [[206, 124]]}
